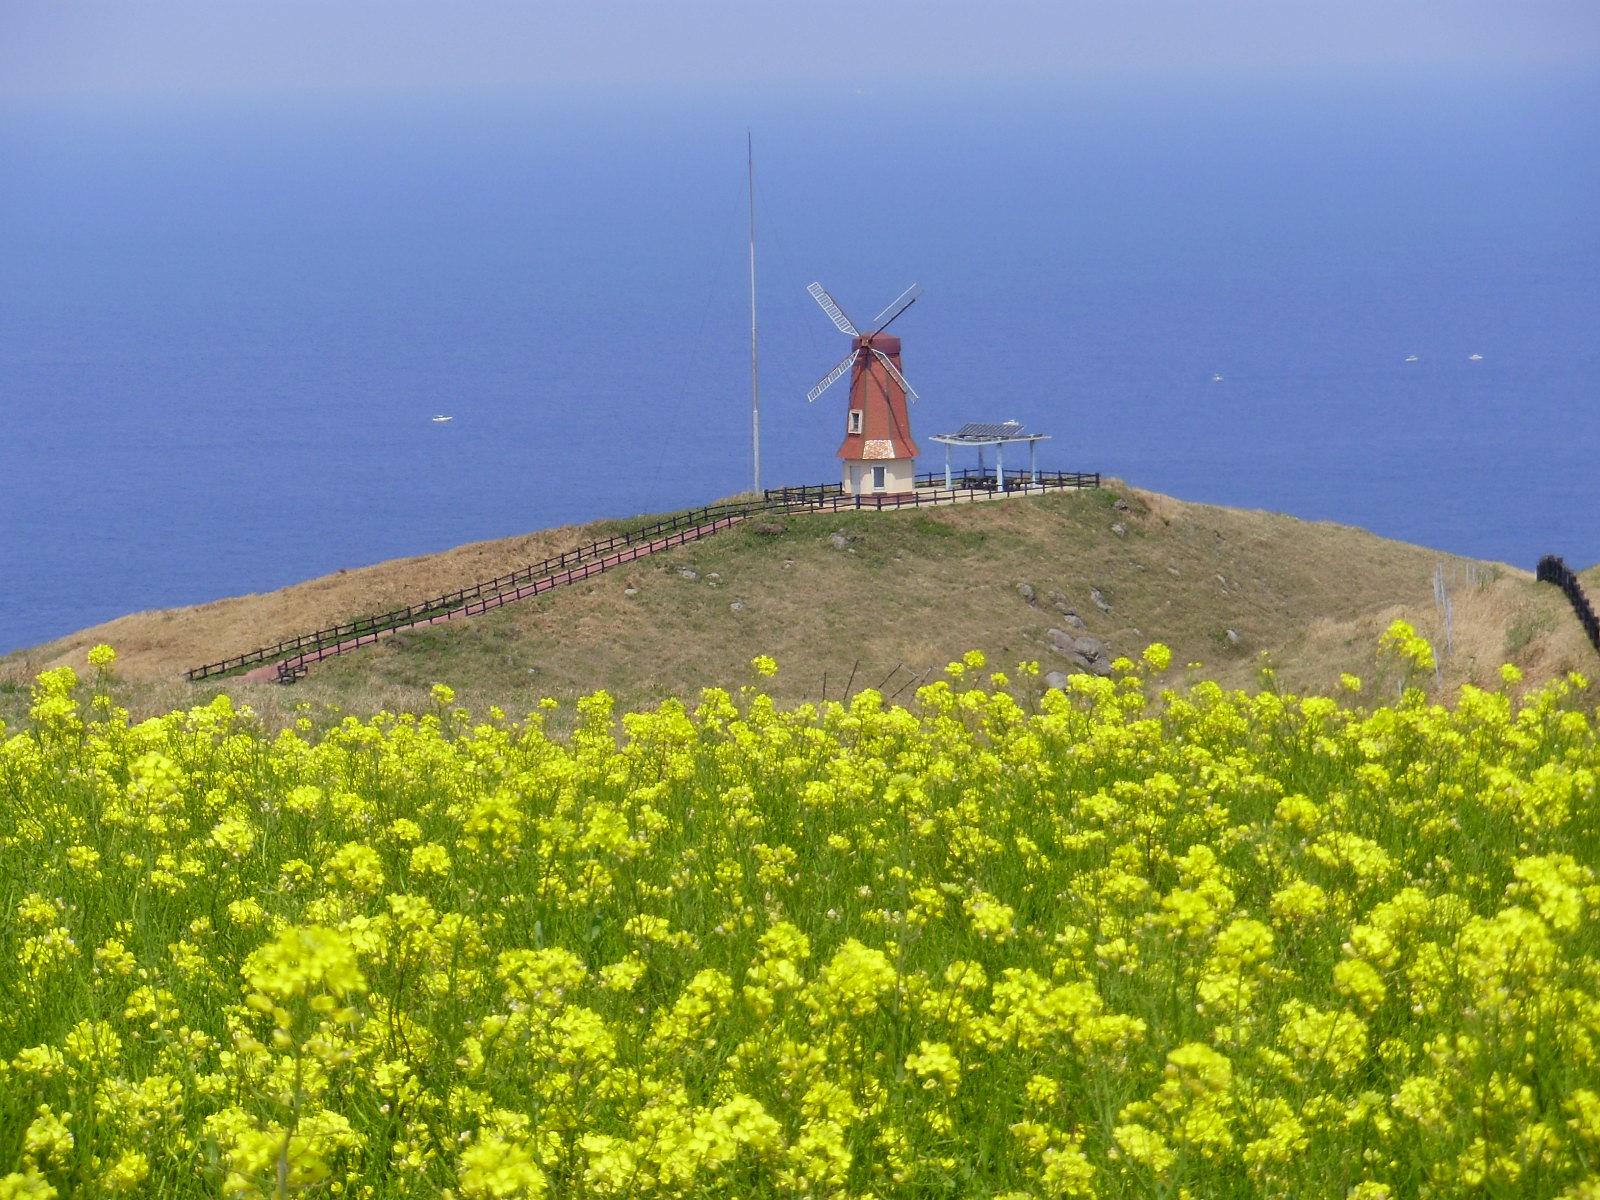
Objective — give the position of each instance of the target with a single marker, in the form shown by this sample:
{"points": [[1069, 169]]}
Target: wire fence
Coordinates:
{"points": [[592, 558], [1553, 569]]}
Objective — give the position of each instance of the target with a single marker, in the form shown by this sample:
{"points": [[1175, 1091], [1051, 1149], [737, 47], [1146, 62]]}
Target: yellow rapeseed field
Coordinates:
{"points": [[1134, 939]]}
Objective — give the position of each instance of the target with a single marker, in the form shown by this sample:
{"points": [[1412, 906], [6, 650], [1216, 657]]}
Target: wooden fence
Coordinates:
{"points": [[594, 557], [1553, 569]]}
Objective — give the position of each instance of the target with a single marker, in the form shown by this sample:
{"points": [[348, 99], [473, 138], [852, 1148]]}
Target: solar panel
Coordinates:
{"points": [[989, 429]]}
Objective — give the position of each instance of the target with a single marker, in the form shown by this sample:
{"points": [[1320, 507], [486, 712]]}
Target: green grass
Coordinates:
{"points": [[1526, 629]]}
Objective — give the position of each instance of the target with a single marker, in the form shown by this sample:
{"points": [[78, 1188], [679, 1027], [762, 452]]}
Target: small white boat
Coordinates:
{"points": [[1216, 379], [1412, 358], [441, 419], [1474, 358]]}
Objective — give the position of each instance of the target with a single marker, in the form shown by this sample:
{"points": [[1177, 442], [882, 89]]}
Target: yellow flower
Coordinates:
{"points": [[48, 1138], [301, 961], [1157, 657], [430, 859], [1408, 646], [723, 947], [935, 1065], [496, 1168], [990, 918], [26, 1185]]}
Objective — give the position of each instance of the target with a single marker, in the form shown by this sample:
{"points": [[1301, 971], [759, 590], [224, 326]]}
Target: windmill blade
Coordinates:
{"points": [[895, 371], [902, 302], [833, 376], [835, 313]]}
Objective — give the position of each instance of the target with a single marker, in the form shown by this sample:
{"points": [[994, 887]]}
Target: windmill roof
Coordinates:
{"points": [[885, 424]]}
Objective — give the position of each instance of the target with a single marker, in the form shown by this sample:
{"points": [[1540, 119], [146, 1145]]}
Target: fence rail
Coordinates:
{"points": [[969, 478], [595, 557], [1553, 569], [805, 494]]}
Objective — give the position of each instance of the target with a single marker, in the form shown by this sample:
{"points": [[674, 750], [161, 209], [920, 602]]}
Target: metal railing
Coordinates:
{"points": [[596, 556], [1553, 569], [985, 480]]}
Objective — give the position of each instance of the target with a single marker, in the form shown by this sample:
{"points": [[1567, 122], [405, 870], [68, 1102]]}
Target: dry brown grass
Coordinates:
{"points": [[915, 590], [162, 644]]}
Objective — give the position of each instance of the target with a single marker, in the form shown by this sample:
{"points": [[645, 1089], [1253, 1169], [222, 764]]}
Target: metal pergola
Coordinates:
{"points": [[980, 434]]}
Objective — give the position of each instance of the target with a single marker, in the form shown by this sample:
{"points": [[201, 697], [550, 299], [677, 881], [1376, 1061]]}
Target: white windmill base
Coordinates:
{"points": [[879, 476]]}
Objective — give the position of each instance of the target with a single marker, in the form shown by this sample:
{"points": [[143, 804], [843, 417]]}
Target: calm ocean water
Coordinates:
{"points": [[223, 333]]}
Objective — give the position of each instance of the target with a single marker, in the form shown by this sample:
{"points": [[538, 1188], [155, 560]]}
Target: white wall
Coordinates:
{"points": [[899, 475]]}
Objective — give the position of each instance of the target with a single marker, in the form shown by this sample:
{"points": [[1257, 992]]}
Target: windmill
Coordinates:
{"points": [[878, 453]]}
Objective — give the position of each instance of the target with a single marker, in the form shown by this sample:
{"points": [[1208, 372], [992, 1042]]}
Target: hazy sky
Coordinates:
{"points": [[84, 49]]}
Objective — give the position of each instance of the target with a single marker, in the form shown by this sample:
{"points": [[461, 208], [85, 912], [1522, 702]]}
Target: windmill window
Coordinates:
{"points": [[877, 477], [855, 420]]}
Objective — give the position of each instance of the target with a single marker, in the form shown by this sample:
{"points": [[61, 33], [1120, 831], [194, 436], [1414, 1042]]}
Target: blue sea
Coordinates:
{"points": [[225, 327]]}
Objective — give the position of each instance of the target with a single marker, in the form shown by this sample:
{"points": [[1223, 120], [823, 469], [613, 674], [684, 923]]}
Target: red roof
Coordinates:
{"points": [[885, 423]]}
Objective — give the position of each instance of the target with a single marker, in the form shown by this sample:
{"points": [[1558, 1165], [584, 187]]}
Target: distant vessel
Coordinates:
{"points": [[1412, 358], [441, 419], [1216, 379], [1474, 358]]}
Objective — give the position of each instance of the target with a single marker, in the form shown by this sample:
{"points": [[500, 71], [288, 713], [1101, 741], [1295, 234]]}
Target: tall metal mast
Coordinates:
{"points": [[755, 361]]}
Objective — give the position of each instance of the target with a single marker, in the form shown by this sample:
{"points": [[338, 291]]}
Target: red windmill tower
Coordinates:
{"points": [[878, 453]]}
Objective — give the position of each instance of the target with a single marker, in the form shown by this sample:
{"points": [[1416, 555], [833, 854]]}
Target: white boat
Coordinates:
{"points": [[441, 419], [1216, 379], [1474, 358], [1412, 358]]}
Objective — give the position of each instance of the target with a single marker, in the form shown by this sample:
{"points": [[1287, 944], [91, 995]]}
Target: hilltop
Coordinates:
{"points": [[872, 599]]}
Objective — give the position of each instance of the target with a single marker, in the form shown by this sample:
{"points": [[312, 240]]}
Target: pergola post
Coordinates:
{"points": [[980, 438]]}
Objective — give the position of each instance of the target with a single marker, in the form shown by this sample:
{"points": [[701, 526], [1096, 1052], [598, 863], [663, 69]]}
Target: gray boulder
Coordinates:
{"points": [[839, 540], [1086, 653], [1099, 599], [689, 573], [1055, 679], [1093, 649], [1119, 529], [1026, 592]]}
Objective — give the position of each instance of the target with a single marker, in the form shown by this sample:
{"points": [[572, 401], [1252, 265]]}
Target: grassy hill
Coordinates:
{"points": [[880, 597]]}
